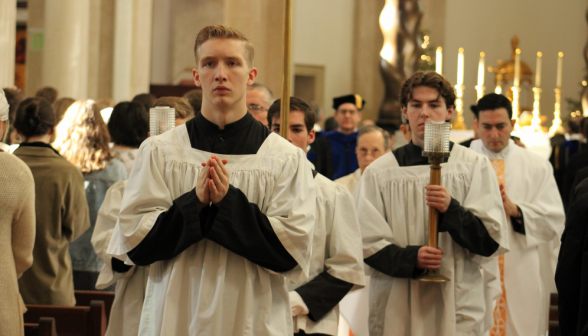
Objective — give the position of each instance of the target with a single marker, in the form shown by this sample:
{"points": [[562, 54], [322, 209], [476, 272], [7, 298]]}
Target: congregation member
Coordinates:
{"points": [[336, 266], [82, 138], [17, 230], [146, 99], [13, 97], [60, 206], [128, 126], [194, 97], [372, 142], [184, 110], [131, 281], [49, 93], [535, 218], [333, 155], [220, 208], [576, 163], [571, 277], [259, 98], [60, 106], [393, 202]]}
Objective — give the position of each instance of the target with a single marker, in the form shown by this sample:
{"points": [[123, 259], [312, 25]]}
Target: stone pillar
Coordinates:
{"points": [[35, 46], [66, 50], [162, 46], [132, 48], [101, 49], [7, 41]]}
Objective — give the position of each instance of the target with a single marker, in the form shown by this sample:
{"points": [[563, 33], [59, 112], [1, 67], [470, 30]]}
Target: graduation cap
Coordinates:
{"points": [[354, 99]]}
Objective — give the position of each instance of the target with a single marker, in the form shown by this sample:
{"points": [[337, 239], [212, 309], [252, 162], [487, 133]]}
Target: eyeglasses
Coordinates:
{"points": [[254, 108]]}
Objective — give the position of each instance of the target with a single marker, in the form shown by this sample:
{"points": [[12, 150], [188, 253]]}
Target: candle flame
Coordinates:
{"points": [[518, 51], [482, 54], [560, 54], [539, 54], [460, 50], [439, 49]]}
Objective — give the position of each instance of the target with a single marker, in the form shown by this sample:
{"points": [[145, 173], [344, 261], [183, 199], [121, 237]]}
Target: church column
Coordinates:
{"points": [[7, 41], [132, 48], [66, 47]]}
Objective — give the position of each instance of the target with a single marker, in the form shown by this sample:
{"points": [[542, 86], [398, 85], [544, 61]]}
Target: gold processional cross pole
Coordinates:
{"points": [[285, 108]]}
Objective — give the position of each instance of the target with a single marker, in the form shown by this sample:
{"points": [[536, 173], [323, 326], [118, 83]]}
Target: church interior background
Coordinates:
{"points": [[118, 48]]}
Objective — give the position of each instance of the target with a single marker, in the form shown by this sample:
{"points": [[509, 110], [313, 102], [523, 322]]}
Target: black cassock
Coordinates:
{"points": [[571, 276]]}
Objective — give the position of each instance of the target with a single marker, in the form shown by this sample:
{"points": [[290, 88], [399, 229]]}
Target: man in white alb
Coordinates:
{"points": [[535, 216], [392, 206], [220, 208]]}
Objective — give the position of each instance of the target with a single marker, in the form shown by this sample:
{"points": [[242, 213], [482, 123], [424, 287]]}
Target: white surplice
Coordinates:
{"points": [[336, 249], [392, 209], [207, 289], [125, 313], [529, 267]]}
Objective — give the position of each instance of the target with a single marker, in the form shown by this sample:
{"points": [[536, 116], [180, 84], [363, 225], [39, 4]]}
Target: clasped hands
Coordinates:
{"points": [[437, 197], [213, 182]]}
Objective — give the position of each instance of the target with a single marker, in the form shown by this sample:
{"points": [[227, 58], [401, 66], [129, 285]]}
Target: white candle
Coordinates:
{"points": [[460, 67], [439, 60], [538, 70], [517, 74], [481, 69], [559, 69]]}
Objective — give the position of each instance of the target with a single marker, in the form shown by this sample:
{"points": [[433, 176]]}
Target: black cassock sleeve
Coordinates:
{"points": [[173, 232], [322, 294], [240, 227], [518, 223], [467, 230], [396, 261]]}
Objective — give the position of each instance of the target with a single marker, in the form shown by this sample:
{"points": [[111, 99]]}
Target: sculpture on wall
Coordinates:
{"points": [[400, 22]]}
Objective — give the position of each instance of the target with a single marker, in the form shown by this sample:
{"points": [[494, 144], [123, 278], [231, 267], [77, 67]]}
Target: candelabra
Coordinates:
{"points": [[516, 91], [459, 123], [536, 121], [556, 126]]}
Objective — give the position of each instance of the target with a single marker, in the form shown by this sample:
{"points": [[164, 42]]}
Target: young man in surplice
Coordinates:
{"points": [[220, 208], [337, 263], [392, 206]]}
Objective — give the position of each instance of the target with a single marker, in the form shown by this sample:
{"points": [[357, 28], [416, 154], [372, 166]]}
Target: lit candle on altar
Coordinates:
{"points": [[538, 70], [517, 69], [559, 69], [439, 60], [460, 67], [481, 70]]}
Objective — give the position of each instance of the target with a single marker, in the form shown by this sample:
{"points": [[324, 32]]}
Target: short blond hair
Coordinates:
{"points": [[223, 32], [183, 108]]}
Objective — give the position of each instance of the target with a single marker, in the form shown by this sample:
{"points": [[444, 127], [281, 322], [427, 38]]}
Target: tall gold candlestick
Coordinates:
{"points": [[516, 91], [536, 122], [285, 106], [556, 126], [459, 124]]}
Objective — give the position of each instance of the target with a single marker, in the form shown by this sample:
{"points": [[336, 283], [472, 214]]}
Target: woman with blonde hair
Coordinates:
{"points": [[82, 138], [61, 208], [17, 230]]}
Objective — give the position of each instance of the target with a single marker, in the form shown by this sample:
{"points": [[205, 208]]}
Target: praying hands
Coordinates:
{"points": [[213, 182]]}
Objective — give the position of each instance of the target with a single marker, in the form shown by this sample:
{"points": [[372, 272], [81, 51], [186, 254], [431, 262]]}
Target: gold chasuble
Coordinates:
{"points": [[499, 328]]}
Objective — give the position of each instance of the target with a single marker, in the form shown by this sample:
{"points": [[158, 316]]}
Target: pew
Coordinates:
{"points": [[45, 327], [83, 298], [71, 321], [553, 315]]}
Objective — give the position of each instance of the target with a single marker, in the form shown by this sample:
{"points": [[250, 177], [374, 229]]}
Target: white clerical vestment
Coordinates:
{"points": [[336, 250], [529, 184], [208, 289], [125, 313], [392, 209], [350, 180]]}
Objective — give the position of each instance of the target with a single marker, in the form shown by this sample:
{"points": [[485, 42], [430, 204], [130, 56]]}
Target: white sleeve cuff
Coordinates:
{"points": [[297, 304]]}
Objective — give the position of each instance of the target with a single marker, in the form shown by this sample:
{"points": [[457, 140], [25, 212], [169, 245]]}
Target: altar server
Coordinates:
{"points": [[220, 208], [393, 202], [535, 216], [336, 266]]}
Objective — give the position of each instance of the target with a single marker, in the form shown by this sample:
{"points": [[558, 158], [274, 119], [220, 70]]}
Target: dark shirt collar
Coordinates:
{"points": [[230, 129], [38, 144], [412, 155]]}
